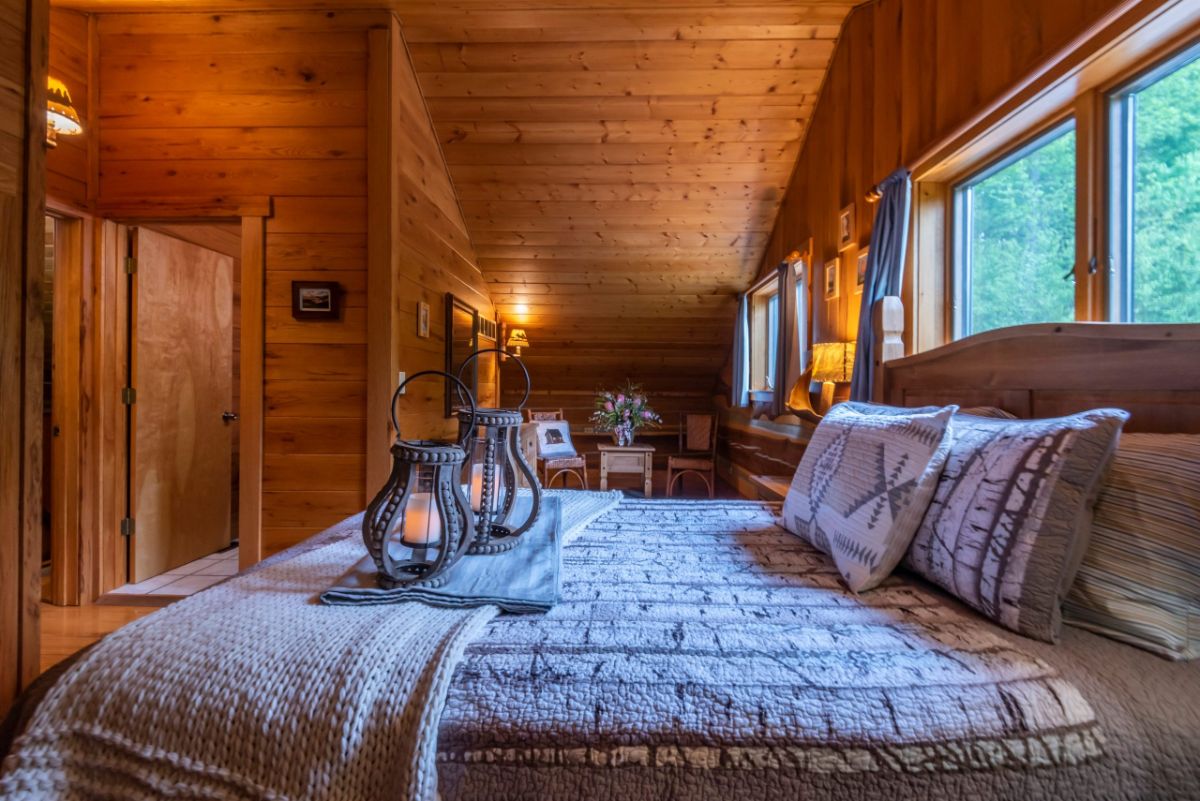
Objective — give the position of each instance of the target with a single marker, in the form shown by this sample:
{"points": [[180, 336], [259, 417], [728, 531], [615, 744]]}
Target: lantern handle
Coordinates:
{"points": [[517, 359], [461, 388]]}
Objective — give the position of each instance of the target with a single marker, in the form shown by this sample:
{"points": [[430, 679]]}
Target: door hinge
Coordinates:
{"points": [[128, 396], [127, 527], [130, 265]]}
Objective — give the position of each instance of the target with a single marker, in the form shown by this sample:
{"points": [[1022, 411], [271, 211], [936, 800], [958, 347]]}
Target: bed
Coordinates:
{"points": [[702, 652]]}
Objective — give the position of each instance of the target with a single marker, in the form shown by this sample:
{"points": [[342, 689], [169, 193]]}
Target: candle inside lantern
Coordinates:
{"points": [[477, 488], [422, 521]]}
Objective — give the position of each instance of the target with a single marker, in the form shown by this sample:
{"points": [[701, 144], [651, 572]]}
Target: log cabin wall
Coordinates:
{"points": [[196, 107], [906, 73], [23, 64]]}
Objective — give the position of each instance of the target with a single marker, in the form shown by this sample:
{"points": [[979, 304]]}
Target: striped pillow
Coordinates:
{"points": [[1140, 579]]}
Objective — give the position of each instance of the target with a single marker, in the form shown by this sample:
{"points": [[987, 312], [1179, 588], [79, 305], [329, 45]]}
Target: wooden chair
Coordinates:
{"points": [[562, 465], [697, 452]]}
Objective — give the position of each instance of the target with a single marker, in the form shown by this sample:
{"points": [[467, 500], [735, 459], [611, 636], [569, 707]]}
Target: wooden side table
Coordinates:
{"points": [[636, 459]]}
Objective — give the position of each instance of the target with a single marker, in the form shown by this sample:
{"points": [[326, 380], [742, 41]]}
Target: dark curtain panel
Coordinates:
{"points": [[741, 356], [787, 353], [885, 270]]}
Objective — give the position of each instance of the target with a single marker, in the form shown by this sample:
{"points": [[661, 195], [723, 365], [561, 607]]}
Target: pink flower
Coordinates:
{"points": [[608, 407], [647, 415], [621, 398]]}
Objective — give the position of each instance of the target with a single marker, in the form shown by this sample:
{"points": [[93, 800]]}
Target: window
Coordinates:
{"points": [[1154, 224], [764, 335], [1014, 238]]}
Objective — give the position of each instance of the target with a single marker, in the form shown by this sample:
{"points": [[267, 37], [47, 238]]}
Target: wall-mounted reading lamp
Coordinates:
{"points": [[517, 339], [61, 117]]}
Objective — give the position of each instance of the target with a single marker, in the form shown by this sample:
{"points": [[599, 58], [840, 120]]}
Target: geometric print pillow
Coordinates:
{"points": [[1012, 513], [864, 483]]}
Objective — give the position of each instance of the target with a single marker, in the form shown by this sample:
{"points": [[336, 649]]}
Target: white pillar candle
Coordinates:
{"points": [[422, 521], [477, 488]]}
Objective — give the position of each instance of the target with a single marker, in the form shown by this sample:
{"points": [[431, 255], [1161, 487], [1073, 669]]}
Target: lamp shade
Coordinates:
{"points": [[833, 361], [61, 116], [517, 338]]}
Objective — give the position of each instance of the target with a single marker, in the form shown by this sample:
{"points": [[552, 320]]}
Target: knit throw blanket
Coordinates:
{"points": [[255, 690]]}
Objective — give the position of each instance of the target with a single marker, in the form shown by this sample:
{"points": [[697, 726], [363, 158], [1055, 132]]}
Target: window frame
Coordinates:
{"points": [[962, 217], [761, 338], [1120, 115], [1073, 83]]}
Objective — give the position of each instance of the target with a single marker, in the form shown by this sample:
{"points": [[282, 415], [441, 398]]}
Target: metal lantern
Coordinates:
{"points": [[420, 523], [492, 440]]}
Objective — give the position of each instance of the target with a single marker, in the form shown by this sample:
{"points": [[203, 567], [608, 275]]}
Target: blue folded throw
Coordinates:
{"points": [[523, 580]]}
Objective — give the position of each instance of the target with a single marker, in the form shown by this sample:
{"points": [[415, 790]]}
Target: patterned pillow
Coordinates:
{"points": [[864, 483], [1140, 578], [1010, 519], [554, 439]]}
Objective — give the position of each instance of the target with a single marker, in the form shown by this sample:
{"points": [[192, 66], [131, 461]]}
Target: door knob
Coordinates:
{"points": [[229, 417]]}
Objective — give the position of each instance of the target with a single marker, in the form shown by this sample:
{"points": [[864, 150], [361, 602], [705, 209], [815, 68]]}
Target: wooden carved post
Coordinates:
{"points": [[888, 322]]}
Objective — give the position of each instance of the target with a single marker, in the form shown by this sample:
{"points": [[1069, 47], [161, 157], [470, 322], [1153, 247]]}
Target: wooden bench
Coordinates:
{"points": [[771, 488]]}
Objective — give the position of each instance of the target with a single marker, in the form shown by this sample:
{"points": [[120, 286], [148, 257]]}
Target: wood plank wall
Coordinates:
{"points": [[905, 74], [620, 165], [430, 254], [197, 106], [68, 166], [23, 46]]}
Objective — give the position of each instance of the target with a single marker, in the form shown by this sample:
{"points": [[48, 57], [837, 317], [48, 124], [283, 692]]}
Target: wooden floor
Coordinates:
{"points": [[66, 629]]}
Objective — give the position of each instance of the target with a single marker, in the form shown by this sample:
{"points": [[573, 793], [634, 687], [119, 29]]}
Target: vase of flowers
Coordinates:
{"points": [[623, 412]]}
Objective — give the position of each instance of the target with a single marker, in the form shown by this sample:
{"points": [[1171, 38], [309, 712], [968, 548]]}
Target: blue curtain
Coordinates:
{"points": [[787, 353], [741, 356], [885, 271]]}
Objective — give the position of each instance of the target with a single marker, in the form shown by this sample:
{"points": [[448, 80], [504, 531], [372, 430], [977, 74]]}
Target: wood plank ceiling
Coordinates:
{"points": [[620, 165]]}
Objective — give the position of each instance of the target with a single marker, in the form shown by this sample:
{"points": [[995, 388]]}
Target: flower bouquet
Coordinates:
{"points": [[623, 412]]}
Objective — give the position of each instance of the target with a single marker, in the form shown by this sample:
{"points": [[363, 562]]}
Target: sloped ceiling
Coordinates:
{"points": [[620, 163], [620, 166]]}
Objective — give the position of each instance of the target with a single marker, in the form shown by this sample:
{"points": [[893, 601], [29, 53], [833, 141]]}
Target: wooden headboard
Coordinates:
{"points": [[1152, 371]]}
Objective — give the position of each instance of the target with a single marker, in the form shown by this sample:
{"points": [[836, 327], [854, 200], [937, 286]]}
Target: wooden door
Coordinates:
{"points": [[182, 373]]}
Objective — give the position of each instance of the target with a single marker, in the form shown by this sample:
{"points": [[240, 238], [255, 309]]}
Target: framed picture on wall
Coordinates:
{"points": [[832, 288], [316, 300], [423, 320], [847, 236], [860, 271]]}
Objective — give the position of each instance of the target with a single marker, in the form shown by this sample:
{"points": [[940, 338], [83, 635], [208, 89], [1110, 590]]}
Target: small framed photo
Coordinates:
{"points": [[847, 236], [860, 271], [316, 300], [832, 287], [423, 320]]}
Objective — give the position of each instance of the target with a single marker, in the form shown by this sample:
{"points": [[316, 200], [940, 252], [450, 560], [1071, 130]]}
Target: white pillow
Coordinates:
{"points": [[864, 483], [554, 439]]}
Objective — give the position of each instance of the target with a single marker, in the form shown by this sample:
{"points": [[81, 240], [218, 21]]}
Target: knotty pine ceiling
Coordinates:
{"points": [[620, 163], [620, 166]]}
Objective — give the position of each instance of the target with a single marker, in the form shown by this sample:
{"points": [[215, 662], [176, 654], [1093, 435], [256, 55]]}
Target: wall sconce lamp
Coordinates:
{"points": [[61, 117], [517, 340], [833, 363]]}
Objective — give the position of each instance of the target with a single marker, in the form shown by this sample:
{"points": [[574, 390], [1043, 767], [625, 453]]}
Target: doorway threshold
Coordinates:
{"points": [[179, 582]]}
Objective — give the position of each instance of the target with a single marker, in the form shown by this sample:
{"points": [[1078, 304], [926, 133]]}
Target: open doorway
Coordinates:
{"points": [[182, 403]]}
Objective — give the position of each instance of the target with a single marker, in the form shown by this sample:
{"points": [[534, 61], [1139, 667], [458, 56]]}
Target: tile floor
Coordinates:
{"points": [[187, 579]]}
